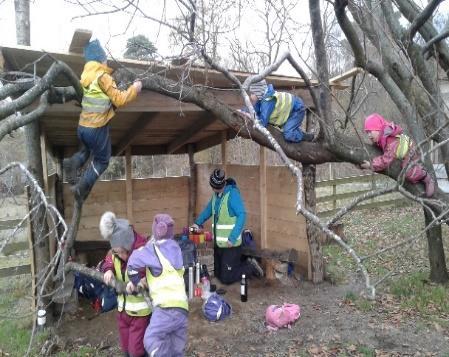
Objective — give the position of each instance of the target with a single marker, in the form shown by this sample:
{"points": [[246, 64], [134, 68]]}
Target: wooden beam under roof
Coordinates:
{"points": [[145, 150], [213, 140], [135, 129], [204, 121]]}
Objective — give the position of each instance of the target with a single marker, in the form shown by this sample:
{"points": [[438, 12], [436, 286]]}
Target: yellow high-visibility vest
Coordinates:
{"points": [[94, 99], [168, 288], [282, 109], [134, 305], [225, 223]]}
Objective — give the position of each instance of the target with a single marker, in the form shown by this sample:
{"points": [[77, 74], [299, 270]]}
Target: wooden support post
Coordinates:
{"points": [[31, 246], [44, 149], [263, 197], [334, 186], [59, 194], [129, 184], [192, 185], [224, 156], [39, 225]]}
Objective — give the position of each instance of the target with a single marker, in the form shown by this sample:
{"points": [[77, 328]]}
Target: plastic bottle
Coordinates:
{"points": [[206, 288], [197, 273], [244, 289], [191, 283]]}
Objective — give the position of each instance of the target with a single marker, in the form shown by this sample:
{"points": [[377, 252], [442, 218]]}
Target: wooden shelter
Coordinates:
{"points": [[156, 124]]}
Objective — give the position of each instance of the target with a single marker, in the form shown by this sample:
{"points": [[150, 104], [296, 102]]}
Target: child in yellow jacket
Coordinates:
{"points": [[100, 97]]}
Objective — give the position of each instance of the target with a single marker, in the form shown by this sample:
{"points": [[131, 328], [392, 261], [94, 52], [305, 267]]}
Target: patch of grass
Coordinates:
{"points": [[364, 305], [415, 292], [13, 338], [366, 351], [350, 296]]}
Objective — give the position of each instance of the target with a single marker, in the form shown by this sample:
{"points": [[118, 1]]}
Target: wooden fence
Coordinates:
{"points": [[15, 258], [331, 196], [334, 194]]}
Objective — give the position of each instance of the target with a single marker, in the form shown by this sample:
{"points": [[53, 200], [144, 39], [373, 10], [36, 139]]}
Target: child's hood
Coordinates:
{"points": [[389, 130], [230, 185], [270, 91], [171, 251], [91, 71]]}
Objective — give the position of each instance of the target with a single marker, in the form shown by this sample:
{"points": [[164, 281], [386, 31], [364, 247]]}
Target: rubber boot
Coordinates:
{"points": [[429, 185], [81, 191], [70, 171]]}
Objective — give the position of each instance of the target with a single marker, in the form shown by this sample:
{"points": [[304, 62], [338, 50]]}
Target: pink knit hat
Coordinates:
{"points": [[163, 226], [375, 122]]}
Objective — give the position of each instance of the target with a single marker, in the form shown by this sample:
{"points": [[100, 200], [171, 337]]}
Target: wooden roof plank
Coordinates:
{"points": [[80, 39], [135, 129], [203, 122]]}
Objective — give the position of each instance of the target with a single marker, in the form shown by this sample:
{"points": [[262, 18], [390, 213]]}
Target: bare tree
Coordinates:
{"points": [[402, 71]]}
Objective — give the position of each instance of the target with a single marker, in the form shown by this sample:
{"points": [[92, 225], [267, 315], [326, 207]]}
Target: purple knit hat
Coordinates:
{"points": [[163, 226]]}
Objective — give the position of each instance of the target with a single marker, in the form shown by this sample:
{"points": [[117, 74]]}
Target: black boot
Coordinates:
{"points": [[308, 137], [81, 191], [70, 171]]}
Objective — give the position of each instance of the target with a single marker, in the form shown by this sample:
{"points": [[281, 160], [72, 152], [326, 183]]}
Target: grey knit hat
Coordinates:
{"points": [[258, 88], [117, 230]]}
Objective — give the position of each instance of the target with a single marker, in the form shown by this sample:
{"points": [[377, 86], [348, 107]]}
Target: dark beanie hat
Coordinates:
{"points": [[217, 179], [94, 52]]}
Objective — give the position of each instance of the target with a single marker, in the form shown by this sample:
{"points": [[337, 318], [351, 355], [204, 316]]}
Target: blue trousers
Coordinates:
{"points": [[96, 142], [292, 127]]}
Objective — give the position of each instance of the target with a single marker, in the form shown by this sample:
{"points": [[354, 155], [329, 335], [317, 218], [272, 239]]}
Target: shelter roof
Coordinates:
{"points": [[153, 124]]}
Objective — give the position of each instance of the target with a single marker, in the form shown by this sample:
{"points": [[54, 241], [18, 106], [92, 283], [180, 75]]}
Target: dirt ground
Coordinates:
{"points": [[330, 325]]}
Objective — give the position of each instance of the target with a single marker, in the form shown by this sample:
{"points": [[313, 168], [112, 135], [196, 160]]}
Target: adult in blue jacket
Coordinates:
{"points": [[228, 219], [283, 110]]}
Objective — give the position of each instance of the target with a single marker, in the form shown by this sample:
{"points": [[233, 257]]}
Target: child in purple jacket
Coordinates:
{"points": [[167, 333]]}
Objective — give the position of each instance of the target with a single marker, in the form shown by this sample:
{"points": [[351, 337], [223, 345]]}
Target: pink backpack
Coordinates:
{"points": [[281, 316]]}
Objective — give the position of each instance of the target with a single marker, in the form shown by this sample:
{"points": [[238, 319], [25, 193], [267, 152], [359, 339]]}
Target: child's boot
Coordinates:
{"points": [[81, 190], [69, 171], [429, 185]]}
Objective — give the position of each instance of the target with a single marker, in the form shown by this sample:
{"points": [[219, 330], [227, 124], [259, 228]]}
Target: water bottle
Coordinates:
{"points": [[204, 271], [190, 282], [197, 273], [244, 289], [41, 319]]}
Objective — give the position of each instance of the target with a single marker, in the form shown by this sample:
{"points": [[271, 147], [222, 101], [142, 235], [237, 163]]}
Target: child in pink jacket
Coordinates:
{"points": [[388, 136]]}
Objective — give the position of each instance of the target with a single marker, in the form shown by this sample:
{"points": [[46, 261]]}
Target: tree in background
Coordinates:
{"points": [[140, 48]]}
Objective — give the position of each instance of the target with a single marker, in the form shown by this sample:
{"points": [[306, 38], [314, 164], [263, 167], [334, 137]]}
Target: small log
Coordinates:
{"points": [[118, 286], [289, 255]]}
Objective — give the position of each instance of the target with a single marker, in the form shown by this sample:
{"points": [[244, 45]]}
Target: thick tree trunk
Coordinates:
{"points": [[437, 259], [313, 233], [22, 10], [39, 225]]}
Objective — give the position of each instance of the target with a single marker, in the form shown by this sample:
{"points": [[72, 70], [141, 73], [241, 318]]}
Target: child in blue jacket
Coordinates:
{"points": [[281, 109]]}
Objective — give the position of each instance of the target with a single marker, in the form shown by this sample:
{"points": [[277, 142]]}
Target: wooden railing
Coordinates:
{"points": [[328, 204]]}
